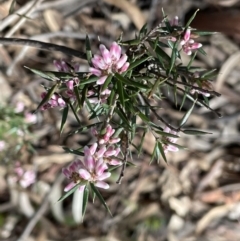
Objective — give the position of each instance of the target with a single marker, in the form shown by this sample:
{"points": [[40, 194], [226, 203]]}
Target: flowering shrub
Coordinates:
{"points": [[122, 83]]}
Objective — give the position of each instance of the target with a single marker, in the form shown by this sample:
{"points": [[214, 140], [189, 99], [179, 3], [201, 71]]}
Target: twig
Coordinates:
{"points": [[43, 46], [31, 224], [23, 18], [157, 115], [13, 17], [198, 101], [78, 8]]}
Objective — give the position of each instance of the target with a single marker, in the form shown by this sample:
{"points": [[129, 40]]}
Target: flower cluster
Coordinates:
{"points": [[55, 101], [186, 42], [63, 66], [24, 177], [189, 44], [109, 62], [95, 163], [167, 146]]}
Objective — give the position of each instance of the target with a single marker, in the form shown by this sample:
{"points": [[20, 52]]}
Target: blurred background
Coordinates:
{"points": [[196, 196]]}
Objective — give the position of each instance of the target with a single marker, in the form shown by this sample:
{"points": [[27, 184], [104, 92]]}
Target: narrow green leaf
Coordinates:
{"points": [[191, 19], [122, 116], [84, 128], [166, 21], [162, 133], [131, 164], [143, 31], [84, 94], [98, 194], [162, 151], [204, 33], [76, 92], [107, 82], [200, 50], [130, 82], [88, 50], [89, 80], [162, 45], [117, 132], [42, 74], [187, 114], [143, 117], [162, 56], [209, 74], [184, 97], [75, 113], [47, 97], [154, 152], [85, 201], [69, 150], [137, 62], [195, 132], [141, 143], [69, 192], [191, 60], [120, 93], [64, 118], [174, 144], [173, 58], [132, 42], [111, 97]]}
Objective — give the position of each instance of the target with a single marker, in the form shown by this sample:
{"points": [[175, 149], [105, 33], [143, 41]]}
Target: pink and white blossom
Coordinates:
{"points": [[24, 177], [109, 62], [72, 173], [174, 21], [55, 101], [93, 96], [167, 146], [91, 169], [63, 66], [188, 44], [30, 118], [19, 107], [106, 138]]}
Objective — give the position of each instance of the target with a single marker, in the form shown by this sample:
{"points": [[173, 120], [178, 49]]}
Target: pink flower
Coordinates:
{"points": [[174, 22], [25, 178], [70, 87], [110, 156], [92, 169], [167, 146], [188, 44], [93, 96], [19, 107], [71, 172], [30, 118], [107, 137], [109, 62], [55, 101], [63, 66]]}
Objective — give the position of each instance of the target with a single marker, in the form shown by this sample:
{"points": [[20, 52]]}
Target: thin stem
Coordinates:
{"points": [[156, 114], [198, 101], [126, 143], [72, 108]]}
